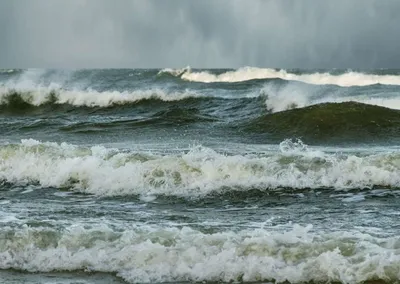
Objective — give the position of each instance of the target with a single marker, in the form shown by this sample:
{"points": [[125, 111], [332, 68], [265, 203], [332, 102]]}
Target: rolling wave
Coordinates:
{"points": [[277, 98], [196, 173], [90, 98], [252, 73], [40, 87], [153, 254], [289, 96]]}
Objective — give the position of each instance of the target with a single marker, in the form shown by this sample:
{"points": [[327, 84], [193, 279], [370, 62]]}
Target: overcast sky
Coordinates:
{"points": [[200, 33]]}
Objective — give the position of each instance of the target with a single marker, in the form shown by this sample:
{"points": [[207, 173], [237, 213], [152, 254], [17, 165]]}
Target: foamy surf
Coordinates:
{"points": [[196, 173], [148, 254], [197, 189], [347, 79]]}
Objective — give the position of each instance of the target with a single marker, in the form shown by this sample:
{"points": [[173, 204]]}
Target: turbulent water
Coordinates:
{"points": [[180, 175]]}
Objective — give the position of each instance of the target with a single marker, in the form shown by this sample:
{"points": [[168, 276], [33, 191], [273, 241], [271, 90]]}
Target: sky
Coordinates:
{"points": [[358, 34]]}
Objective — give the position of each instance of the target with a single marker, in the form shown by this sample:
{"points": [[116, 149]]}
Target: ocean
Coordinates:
{"points": [[249, 175]]}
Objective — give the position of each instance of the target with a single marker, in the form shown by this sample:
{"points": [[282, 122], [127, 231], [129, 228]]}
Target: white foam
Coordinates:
{"points": [[175, 72], [7, 71], [354, 198], [199, 172], [154, 254], [250, 73]]}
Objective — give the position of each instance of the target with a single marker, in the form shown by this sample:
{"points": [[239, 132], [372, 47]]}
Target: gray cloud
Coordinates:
{"points": [[206, 33]]}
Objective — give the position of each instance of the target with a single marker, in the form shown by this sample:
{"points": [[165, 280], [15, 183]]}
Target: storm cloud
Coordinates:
{"points": [[204, 34]]}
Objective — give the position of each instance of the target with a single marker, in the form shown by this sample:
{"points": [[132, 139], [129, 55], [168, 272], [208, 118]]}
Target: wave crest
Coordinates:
{"points": [[292, 95], [90, 98], [347, 79]]}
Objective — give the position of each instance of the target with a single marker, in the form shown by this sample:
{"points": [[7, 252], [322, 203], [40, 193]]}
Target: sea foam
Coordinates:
{"points": [[148, 254], [195, 173]]}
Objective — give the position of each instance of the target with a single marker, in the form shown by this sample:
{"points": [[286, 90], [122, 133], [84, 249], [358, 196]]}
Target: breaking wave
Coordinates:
{"points": [[252, 73], [291, 96], [150, 254], [32, 88], [198, 172], [277, 98], [89, 98]]}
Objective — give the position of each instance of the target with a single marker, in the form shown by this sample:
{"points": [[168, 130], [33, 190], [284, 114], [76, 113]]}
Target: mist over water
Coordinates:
{"points": [[187, 175]]}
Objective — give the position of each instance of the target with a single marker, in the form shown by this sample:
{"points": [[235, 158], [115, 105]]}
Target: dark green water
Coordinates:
{"points": [[156, 176]]}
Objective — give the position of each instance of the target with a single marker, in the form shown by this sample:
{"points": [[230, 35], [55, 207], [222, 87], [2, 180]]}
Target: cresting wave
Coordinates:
{"points": [[196, 173], [149, 254], [276, 103], [252, 73], [29, 89], [292, 95], [277, 99], [89, 98]]}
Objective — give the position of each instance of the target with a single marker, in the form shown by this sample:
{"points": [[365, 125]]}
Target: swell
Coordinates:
{"points": [[346, 79], [195, 173], [172, 117], [331, 122]]}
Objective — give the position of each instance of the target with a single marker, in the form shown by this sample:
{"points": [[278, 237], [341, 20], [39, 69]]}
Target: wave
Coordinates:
{"points": [[33, 88], [350, 121], [153, 254], [89, 98], [7, 71], [277, 103], [278, 98], [195, 173], [290, 96], [252, 73]]}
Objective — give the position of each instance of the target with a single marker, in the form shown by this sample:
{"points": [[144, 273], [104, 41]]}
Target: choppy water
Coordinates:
{"points": [[153, 176]]}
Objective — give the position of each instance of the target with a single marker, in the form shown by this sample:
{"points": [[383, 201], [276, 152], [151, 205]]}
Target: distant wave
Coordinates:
{"points": [[88, 98], [252, 73], [7, 71], [196, 173]]}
